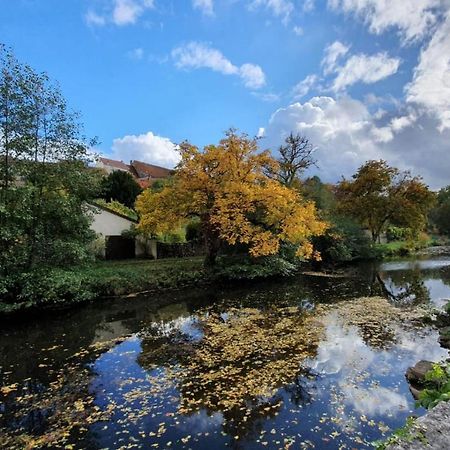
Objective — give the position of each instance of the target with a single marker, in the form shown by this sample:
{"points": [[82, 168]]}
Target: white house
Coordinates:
{"points": [[110, 227]]}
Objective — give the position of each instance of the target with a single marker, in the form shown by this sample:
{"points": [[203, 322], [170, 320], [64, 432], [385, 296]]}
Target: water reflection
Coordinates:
{"points": [[240, 367], [364, 374], [414, 282]]}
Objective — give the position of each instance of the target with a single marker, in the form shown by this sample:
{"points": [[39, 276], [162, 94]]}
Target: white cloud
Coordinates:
{"points": [[267, 96], [252, 76], [279, 8], [197, 55], [356, 68], [127, 12], [347, 134], [136, 54], [120, 13], [298, 30], [146, 147], [430, 87], [333, 53], [94, 19], [338, 128], [412, 18], [308, 5], [205, 6], [365, 69], [303, 87]]}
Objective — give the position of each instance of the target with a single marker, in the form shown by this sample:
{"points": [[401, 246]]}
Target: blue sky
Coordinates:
{"points": [[362, 79]]}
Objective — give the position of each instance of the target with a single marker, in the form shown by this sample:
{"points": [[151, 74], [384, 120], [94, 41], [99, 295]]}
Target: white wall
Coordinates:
{"points": [[109, 224]]}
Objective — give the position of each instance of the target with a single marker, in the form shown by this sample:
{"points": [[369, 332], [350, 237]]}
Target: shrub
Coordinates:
{"points": [[45, 288], [344, 241], [244, 268], [398, 234]]}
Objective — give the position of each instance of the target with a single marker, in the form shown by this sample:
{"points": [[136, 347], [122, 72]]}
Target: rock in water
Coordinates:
{"points": [[444, 338], [416, 374]]}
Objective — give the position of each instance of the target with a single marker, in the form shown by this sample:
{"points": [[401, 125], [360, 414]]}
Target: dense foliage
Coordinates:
{"points": [[440, 214], [120, 186], [344, 241], [227, 187], [380, 195], [44, 180]]}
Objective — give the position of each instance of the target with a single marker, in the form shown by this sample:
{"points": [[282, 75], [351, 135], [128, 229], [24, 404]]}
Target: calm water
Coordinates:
{"points": [[179, 371]]}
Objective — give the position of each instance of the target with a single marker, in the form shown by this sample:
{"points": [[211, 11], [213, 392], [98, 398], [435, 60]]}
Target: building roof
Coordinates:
{"points": [[144, 170], [113, 163], [111, 211]]}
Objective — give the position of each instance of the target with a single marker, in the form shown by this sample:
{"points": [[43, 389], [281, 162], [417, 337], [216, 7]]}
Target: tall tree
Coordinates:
{"points": [[43, 175], [228, 188], [122, 187], [440, 214], [296, 155], [379, 195]]}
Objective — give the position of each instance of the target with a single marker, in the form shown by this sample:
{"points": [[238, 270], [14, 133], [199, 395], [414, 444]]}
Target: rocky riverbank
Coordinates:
{"points": [[431, 431]]}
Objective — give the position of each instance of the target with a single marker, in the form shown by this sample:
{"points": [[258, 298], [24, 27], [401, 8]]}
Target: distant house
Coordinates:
{"points": [[110, 227], [145, 174], [111, 165]]}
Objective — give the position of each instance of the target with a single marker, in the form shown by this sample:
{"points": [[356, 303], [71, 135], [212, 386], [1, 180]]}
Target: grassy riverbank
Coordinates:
{"points": [[58, 288]]}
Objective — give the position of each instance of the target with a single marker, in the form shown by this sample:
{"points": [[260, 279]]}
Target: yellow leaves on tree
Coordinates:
{"points": [[228, 187]]}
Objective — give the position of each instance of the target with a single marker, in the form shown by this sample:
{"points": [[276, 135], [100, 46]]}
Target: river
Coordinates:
{"points": [[310, 362]]}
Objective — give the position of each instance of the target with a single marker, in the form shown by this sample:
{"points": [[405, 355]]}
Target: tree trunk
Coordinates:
{"points": [[212, 243]]}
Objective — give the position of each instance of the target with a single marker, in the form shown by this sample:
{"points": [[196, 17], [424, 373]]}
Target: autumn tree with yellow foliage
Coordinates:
{"points": [[227, 187]]}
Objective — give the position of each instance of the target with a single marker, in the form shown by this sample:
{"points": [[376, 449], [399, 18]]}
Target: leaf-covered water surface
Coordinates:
{"points": [[268, 370]]}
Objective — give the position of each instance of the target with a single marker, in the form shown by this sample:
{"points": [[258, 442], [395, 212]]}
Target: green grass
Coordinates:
{"points": [[400, 248]]}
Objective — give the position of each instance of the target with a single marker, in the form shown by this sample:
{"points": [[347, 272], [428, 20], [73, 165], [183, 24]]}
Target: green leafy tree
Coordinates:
{"points": [[322, 194], [440, 214], [380, 195], [44, 178], [122, 187]]}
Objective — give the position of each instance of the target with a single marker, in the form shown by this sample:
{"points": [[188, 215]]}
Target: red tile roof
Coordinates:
{"points": [[145, 173], [144, 170], [114, 163]]}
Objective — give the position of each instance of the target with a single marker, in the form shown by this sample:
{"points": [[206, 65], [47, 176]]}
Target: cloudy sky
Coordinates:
{"points": [[362, 79]]}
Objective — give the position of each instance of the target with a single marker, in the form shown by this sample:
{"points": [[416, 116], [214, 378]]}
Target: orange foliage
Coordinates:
{"points": [[227, 186]]}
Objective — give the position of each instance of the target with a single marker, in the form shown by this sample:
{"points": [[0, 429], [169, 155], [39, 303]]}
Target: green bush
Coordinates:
{"points": [[244, 268], [398, 234], [344, 241], [45, 288], [58, 288]]}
